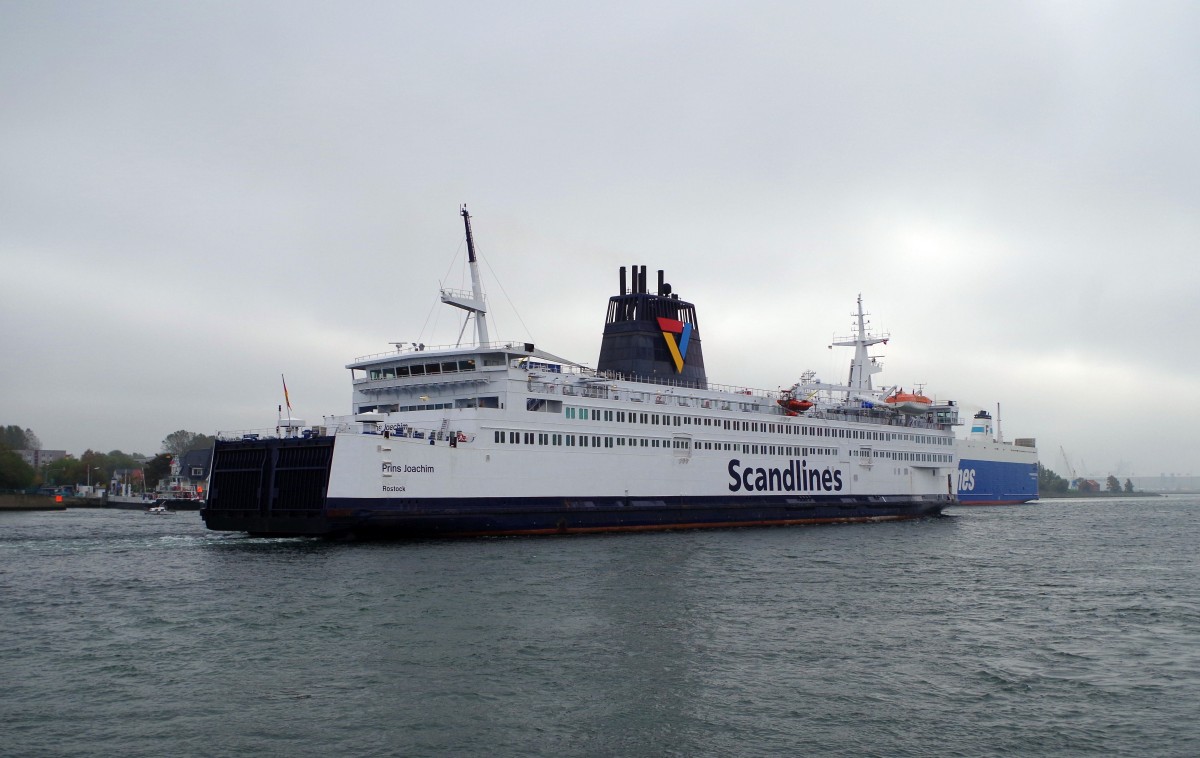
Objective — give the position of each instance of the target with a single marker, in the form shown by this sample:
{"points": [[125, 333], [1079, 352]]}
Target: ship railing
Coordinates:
{"points": [[253, 435], [885, 417], [432, 436], [400, 430], [448, 379], [667, 389], [688, 385], [870, 416], [232, 435], [651, 396], [408, 348], [462, 294], [656, 394]]}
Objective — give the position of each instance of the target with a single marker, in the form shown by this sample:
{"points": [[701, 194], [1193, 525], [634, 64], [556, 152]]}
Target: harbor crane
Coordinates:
{"points": [[1073, 480]]}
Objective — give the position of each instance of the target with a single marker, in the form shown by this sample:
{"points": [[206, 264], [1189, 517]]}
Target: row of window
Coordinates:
{"points": [[462, 402], [505, 437], [422, 369], [867, 455], [595, 440], [667, 419]]}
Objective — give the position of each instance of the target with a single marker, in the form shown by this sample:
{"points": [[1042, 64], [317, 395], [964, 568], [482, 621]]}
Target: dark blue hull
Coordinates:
{"points": [[996, 482], [380, 519]]}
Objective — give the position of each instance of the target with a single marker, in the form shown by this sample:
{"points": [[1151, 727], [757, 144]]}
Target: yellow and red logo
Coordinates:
{"points": [[677, 334]]}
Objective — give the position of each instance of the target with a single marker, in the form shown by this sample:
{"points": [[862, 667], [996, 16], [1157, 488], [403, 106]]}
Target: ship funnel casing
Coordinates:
{"points": [[636, 344], [981, 425]]}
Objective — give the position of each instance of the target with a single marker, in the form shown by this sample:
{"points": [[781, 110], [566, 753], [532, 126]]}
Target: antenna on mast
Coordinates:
{"points": [[472, 302], [864, 364], [470, 237]]}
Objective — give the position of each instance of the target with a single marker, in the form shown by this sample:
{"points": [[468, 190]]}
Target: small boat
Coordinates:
{"points": [[158, 509], [908, 402], [794, 405], [793, 402]]}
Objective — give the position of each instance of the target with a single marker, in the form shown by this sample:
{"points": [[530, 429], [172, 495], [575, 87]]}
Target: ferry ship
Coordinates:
{"points": [[992, 471], [503, 438]]}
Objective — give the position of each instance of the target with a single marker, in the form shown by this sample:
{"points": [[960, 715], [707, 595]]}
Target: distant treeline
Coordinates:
{"points": [[16, 438], [1050, 483], [92, 467]]}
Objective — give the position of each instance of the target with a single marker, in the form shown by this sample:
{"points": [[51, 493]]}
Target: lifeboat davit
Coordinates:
{"points": [[794, 405], [908, 402]]}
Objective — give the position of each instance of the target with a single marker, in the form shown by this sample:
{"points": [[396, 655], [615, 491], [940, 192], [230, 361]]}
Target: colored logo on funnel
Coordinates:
{"points": [[677, 334]]}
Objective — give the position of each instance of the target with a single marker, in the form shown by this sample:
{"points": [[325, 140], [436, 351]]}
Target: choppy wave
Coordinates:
{"points": [[1045, 629]]}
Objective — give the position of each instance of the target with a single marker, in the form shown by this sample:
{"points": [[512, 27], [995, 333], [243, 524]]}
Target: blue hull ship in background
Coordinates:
{"points": [[992, 471], [503, 438]]}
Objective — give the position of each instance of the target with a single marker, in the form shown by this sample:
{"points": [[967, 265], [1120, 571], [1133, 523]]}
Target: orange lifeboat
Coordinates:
{"points": [[794, 405], [908, 402]]}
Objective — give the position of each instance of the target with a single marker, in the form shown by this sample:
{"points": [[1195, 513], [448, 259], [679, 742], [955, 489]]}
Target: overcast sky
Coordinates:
{"points": [[196, 198]]}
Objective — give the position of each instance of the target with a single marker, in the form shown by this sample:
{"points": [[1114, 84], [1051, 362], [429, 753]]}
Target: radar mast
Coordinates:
{"points": [[863, 364], [472, 302]]}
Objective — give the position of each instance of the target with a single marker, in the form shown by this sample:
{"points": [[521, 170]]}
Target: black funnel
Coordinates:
{"points": [[652, 337]]}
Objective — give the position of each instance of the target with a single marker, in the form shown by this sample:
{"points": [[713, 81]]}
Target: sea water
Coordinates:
{"points": [[1058, 628]]}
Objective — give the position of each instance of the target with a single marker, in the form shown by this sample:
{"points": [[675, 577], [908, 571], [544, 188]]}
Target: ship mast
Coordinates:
{"points": [[863, 364], [472, 302]]}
